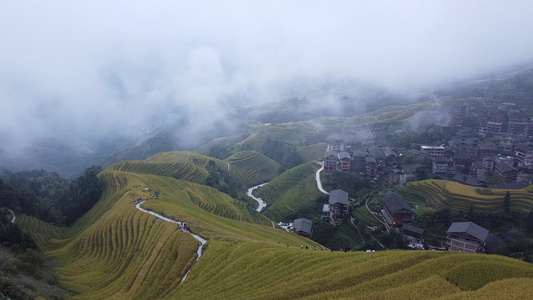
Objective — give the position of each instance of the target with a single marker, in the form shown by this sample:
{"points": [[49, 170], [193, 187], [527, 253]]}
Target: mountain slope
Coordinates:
{"points": [[118, 251]]}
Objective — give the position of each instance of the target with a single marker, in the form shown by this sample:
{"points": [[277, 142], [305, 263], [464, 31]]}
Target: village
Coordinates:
{"points": [[483, 142]]}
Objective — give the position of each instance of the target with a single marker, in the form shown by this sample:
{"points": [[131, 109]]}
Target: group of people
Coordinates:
{"points": [[307, 247], [183, 226]]}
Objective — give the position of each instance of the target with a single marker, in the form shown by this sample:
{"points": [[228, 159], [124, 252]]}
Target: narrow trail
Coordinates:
{"points": [[249, 193], [374, 214], [227, 173], [197, 237], [13, 214], [318, 182], [262, 204], [359, 231]]}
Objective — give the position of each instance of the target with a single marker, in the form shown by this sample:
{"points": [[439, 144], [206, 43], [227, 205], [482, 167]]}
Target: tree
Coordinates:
{"points": [[507, 203], [529, 222]]}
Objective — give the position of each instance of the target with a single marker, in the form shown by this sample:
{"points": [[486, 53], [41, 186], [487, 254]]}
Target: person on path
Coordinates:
{"points": [[287, 245], [278, 243], [306, 248], [301, 247]]}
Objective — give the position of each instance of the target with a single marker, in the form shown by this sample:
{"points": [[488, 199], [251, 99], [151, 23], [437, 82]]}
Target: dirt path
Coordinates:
{"points": [[359, 231], [249, 193], [375, 215], [197, 237], [13, 214], [318, 182]]}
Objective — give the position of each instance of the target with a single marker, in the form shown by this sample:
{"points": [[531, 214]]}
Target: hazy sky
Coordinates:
{"points": [[90, 67]]}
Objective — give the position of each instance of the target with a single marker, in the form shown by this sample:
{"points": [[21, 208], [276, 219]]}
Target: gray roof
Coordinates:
{"points": [[330, 153], [414, 229], [469, 228], [338, 196], [389, 152], [344, 155], [325, 208], [524, 147], [303, 225], [370, 159], [503, 168], [376, 153], [395, 203], [494, 243], [488, 146]]}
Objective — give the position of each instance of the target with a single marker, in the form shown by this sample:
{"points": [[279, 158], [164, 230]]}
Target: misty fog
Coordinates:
{"points": [[88, 72]]}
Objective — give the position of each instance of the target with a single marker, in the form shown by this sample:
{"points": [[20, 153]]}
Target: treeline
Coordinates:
{"points": [[49, 197], [24, 271], [283, 153]]}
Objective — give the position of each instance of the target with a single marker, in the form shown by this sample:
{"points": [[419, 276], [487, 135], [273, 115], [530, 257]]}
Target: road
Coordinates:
{"points": [[197, 237]]}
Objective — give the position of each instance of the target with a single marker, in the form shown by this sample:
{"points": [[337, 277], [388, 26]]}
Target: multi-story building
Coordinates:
{"points": [[344, 161], [466, 237], [330, 162], [395, 210], [441, 165], [497, 121], [338, 206], [433, 151], [518, 124]]}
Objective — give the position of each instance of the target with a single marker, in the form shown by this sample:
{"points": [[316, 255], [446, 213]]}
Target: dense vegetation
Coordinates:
{"points": [[49, 197], [282, 152], [24, 271]]}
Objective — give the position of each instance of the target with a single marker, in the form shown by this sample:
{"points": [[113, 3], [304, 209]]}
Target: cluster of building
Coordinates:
{"points": [[511, 160], [460, 236], [334, 212], [378, 163], [464, 157]]}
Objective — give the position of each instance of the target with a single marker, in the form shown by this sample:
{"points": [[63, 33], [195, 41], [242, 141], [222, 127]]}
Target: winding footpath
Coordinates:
{"points": [[376, 215], [318, 182], [249, 193], [13, 214], [197, 237], [262, 204]]}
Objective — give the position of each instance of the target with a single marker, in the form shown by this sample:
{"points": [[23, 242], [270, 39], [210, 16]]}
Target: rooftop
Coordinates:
{"points": [[469, 228], [338, 196], [395, 203], [303, 225]]}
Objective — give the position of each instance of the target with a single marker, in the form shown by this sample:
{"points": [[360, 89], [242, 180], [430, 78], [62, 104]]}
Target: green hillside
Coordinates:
{"points": [[441, 194], [249, 168], [265, 271], [116, 251], [293, 190]]}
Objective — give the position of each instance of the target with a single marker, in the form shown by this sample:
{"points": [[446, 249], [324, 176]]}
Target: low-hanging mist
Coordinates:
{"points": [[95, 76]]}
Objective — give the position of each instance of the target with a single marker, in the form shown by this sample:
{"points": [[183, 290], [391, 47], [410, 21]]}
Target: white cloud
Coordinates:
{"points": [[99, 66]]}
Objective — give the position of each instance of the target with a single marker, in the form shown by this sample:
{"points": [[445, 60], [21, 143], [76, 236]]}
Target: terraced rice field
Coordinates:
{"points": [[183, 165], [312, 152], [458, 197], [265, 271], [118, 252], [249, 168], [291, 191]]}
